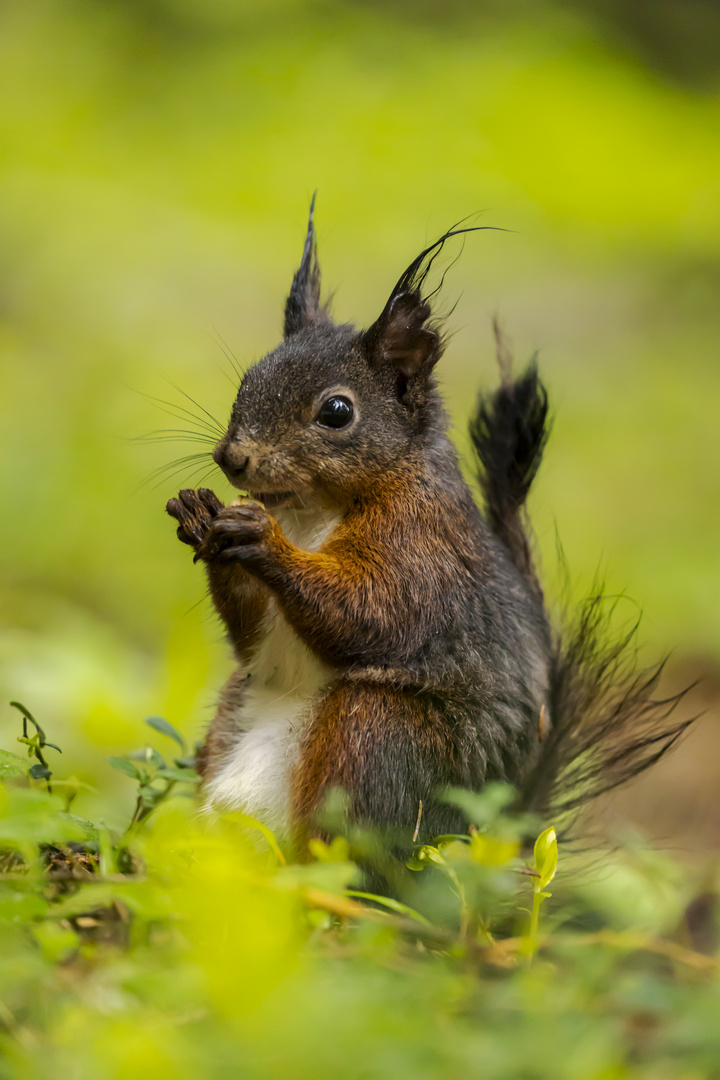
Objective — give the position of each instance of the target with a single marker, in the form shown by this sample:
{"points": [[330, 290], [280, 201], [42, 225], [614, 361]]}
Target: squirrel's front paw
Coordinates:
{"points": [[194, 511], [241, 531]]}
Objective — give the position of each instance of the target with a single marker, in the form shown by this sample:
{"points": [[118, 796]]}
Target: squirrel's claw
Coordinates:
{"points": [[234, 532], [194, 512]]}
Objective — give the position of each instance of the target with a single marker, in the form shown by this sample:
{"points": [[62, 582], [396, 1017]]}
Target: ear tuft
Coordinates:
{"points": [[403, 335], [302, 307]]}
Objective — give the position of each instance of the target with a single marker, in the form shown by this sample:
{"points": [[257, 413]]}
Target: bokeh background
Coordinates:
{"points": [[157, 161]]}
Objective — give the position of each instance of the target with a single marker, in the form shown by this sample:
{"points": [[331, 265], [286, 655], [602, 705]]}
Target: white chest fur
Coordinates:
{"points": [[282, 678]]}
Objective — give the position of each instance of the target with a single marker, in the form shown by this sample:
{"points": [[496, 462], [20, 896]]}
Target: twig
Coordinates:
{"points": [[542, 723], [504, 952], [349, 909], [417, 823]]}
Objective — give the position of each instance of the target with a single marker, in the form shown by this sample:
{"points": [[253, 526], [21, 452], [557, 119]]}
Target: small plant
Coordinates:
{"points": [[202, 942], [36, 744], [156, 780], [545, 860]]}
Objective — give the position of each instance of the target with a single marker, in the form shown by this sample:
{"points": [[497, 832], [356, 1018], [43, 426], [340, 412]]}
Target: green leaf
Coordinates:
{"points": [[33, 816], [249, 822], [392, 905], [165, 728], [56, 942], [185, 762], [337, 851], [90, 897], [425, 855], [428, 853], [149, 756], [87, 827], [123, 765], [19, 906], [108, 860], [185, 776], [334, 877], [39, 772], [546, 858], [11, 765], [484, 807]]}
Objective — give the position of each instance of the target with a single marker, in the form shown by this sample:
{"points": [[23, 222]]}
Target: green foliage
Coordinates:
{"points": [[200, 947], [36, 744], [155, 779], [157, 164]]}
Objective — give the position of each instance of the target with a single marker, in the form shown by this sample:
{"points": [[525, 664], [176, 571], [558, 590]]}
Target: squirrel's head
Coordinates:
{"points": [[332, 409]]}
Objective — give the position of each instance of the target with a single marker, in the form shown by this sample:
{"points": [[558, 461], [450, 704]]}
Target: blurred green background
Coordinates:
{"points": [[157, 161]]}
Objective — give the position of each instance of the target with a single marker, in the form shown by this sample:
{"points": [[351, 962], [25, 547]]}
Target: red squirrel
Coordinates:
{"points": [[391, 639]]}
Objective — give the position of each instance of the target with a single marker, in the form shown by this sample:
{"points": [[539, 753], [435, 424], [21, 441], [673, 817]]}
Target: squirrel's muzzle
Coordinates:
{"points": [[232, 460]]}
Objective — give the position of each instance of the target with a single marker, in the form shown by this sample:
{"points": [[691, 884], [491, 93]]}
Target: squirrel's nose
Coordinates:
{"points": [[232, 464]]}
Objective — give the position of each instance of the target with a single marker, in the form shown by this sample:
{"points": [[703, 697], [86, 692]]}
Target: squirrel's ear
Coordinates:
{"points": [[302, 307], [402, 337], [403, 334]]}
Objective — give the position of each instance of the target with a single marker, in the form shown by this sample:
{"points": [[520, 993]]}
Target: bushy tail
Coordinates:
{"points": [[606, 722], [508, 433]]}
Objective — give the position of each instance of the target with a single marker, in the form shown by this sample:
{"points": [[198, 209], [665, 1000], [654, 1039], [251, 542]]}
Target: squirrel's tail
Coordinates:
{"points": [[607, 723], [508, 432]]}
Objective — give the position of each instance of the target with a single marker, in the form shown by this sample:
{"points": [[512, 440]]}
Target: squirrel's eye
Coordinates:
{"points": [[336, 412]]}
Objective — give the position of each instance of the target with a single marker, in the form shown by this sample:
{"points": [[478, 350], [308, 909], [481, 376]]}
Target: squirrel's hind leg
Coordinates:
{"points": [[389, 750]]}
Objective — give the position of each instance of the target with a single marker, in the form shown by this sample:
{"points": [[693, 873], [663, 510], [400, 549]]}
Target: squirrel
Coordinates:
{"points": [[391, 639]]}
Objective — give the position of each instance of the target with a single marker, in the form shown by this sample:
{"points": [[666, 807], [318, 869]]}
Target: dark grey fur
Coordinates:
{"points": [[453, 617]]}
